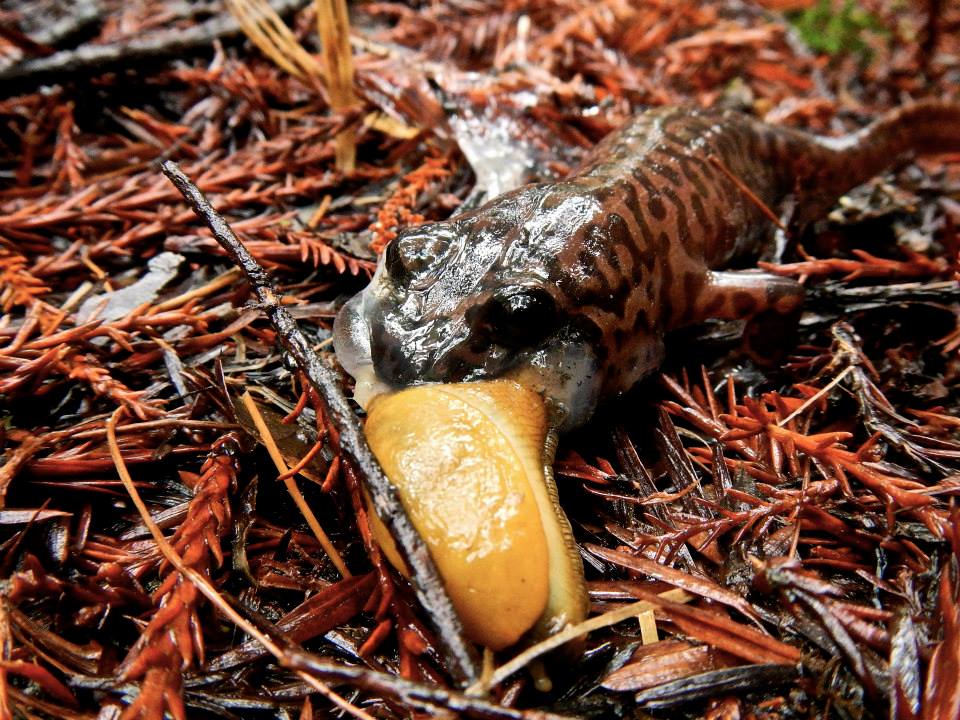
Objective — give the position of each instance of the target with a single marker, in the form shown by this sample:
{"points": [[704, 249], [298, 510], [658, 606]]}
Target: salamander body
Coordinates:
{"points": [[571, 286]]}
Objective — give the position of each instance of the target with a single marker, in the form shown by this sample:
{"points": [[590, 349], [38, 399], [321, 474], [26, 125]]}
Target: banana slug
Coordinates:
{"points": [[471, 463]]}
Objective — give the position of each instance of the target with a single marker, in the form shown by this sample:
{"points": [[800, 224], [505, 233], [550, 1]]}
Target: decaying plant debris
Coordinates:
{"points": [[772, 543]]}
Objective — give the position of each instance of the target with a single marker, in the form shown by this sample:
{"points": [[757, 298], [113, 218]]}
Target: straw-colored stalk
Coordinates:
{"points": [[268, 32], [333, 23]]}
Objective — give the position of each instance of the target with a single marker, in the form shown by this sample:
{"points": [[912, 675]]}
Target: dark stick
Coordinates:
{"points": [[417, 695], [76, 17], [460, 656], [91, 59], [436, 701]]}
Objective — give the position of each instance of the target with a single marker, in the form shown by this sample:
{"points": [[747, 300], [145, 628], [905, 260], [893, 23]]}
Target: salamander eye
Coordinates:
{"points": [[396, 267], [521, 318], [419, 252]]}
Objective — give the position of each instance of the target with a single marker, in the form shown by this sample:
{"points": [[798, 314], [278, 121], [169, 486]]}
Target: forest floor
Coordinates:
{"points": [[803, 514]]}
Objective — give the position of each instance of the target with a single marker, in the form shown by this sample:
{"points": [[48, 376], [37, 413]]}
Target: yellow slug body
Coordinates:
{"points": [[468, 462]]}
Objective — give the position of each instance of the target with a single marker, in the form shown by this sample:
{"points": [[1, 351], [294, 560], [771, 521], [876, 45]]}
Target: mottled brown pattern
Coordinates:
{"points": [[686, 218]]}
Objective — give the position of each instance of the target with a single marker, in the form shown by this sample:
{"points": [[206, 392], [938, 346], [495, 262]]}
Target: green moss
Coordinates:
{"points": [[837, 31]]}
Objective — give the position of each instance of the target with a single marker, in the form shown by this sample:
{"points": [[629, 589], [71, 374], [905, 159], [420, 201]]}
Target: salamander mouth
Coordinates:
{"points": [[567, 375], [351, 341], [382, 354], [564, 370]]}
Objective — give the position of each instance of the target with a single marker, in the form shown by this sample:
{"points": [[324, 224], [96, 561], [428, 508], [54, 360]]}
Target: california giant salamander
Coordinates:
{"points": [[570, 286]]}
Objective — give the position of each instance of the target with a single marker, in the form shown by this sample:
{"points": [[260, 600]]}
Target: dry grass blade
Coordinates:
{"points": [[292, 488], [333, 23], [698, 585], [574, 631], [267, 31]]}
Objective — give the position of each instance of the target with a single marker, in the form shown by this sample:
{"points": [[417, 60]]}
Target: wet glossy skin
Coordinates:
{"points": [[571, 286]]}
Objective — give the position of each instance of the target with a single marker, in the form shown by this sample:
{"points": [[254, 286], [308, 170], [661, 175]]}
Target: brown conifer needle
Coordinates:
{"points": [[750, 194]]}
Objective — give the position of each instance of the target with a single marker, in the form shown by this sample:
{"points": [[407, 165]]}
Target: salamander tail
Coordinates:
{"points": [[926, 127]]}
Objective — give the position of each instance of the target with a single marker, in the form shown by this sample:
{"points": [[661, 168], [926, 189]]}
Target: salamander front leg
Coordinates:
{"points": [[771, 304], [740, 294]]}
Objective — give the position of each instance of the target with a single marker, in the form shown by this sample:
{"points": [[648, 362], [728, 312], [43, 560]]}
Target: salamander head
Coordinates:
{"points": [[479, 297]]}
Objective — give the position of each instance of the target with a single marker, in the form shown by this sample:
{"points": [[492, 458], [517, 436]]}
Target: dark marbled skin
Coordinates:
{"points": [[571, 286]]}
